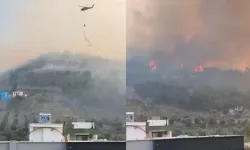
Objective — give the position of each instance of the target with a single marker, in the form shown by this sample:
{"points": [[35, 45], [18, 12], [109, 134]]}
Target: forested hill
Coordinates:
{"points": [[183, 88], [67, 84]]}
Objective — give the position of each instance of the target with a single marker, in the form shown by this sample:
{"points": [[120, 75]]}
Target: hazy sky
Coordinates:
{"points": [[29, 28]]}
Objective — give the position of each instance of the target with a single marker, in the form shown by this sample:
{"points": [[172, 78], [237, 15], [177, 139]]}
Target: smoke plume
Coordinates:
{"points": [[52, 26], [194, 32]]}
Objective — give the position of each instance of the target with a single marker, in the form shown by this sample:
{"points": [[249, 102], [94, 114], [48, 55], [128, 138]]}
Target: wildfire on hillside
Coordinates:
{"points": [[199, 68], [152, 65]]}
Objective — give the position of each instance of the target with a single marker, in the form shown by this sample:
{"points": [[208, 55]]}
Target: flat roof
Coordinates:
{"points": [[82, 133], [136, 123], [48, 125], [82, 122]]}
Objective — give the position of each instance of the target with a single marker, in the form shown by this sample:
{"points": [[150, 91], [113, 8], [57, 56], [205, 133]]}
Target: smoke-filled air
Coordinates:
{"points": [[189, 60], [191, 33], [64, 58], [30, 28]]}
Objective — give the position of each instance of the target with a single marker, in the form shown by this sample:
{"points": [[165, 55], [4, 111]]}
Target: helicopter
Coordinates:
{"points": [[84, 8]]}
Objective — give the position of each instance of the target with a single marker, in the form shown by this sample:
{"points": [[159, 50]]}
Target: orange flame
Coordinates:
{"points": [[152, 65], [199, 68]]}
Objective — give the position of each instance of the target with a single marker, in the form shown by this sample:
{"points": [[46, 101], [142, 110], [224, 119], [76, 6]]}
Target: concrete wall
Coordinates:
{"points": [[34, 146], [139, 145], [40, 132], [4, 145], [96, 146], [201, 143], [41, 146], [14, 145], [135, 130]]}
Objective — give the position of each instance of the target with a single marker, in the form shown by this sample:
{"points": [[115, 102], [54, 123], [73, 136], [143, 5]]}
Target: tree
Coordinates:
{"points": [[171, 121], [231, 122], [187, 122], [219, 131], [197, 121], [202, 133], [58, 121], [222, 122], [247, 129], [177, 132], [212, 122]]}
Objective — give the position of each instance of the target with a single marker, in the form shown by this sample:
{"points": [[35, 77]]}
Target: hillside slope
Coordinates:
{"points": [[182, 88], [66, 85]]}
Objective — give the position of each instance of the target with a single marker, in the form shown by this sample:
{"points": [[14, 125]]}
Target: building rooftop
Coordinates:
{"points": [[136, 123], [52, 125]]}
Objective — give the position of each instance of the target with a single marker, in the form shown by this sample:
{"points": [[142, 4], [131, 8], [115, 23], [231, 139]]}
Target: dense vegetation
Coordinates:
{"points": [[69, 85], [181, 87], [65, 85], [204, 98], [214, 101]]}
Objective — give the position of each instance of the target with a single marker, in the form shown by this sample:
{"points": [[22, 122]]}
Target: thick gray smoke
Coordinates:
{"points": [[193, 32]]}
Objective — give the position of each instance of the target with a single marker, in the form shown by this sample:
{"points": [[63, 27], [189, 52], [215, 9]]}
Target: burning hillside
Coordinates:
{"points": [[153, 66], [199, 32], [199, 69], [67, 84]]}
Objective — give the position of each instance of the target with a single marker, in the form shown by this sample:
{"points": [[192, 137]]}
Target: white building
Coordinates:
{"points": [[136, 131], [150, 129], [45, 132], [83, 125], [83, 135], [18, 93], [156, 123]]}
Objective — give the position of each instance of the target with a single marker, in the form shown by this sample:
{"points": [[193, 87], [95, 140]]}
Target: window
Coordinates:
{"points": [[157, 134], [82, 137]]}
